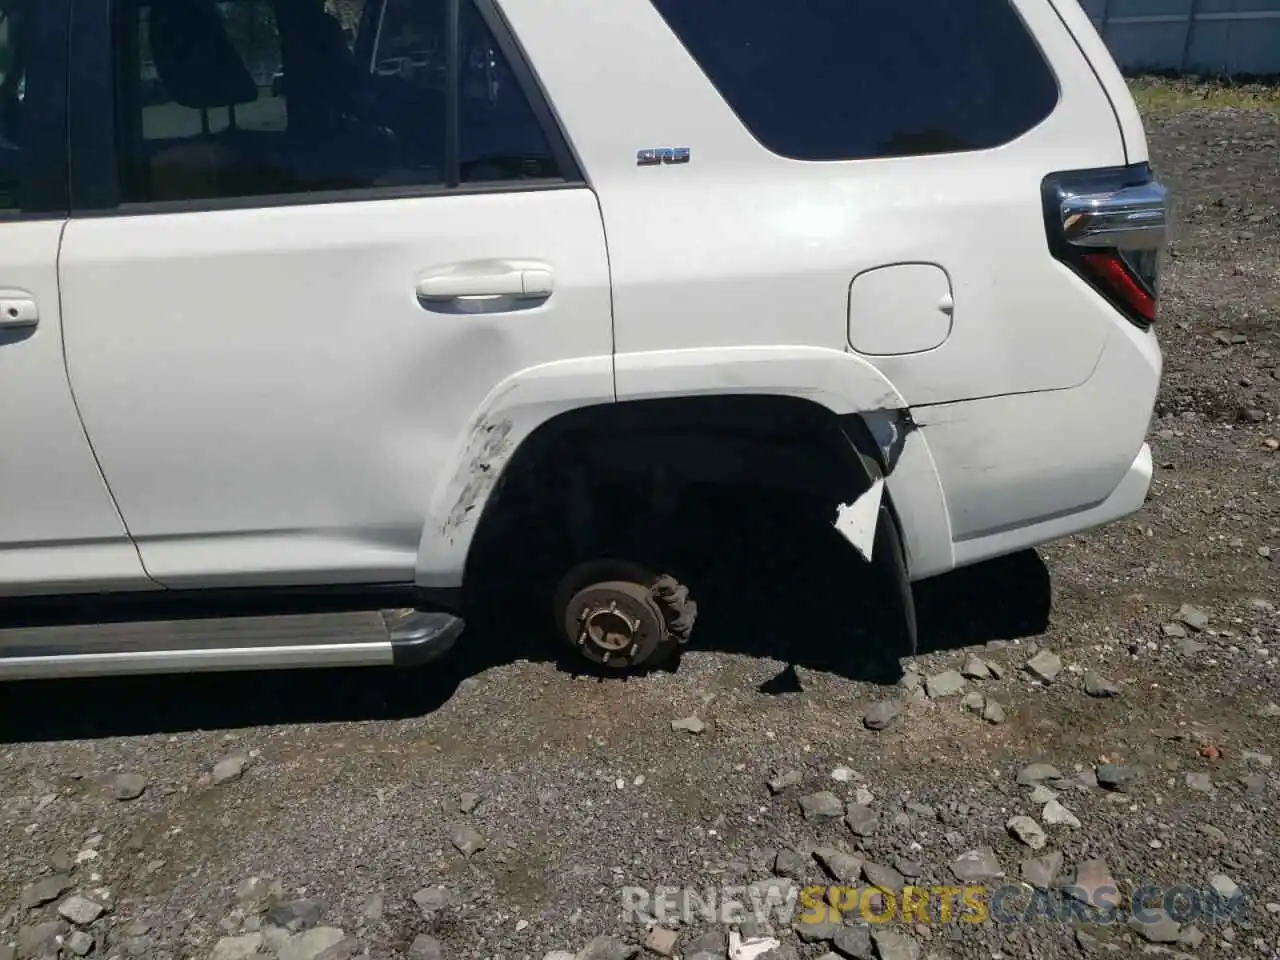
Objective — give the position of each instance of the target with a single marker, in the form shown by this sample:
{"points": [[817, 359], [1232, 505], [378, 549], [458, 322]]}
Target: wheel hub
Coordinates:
{"points": [[616, 623]]}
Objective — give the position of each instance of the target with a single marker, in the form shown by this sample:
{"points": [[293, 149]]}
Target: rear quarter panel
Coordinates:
{"points": [[743, 247]]}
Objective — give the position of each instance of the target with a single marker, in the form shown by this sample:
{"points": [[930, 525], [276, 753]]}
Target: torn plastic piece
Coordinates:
{"points": [[740, 949], [857, 521]]}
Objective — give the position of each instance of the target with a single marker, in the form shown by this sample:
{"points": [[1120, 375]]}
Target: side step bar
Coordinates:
{"points": [[369, 638]]}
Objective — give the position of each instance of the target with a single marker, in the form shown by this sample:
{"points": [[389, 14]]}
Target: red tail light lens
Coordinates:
{"points": [[1110, 226], [1116, 279]]}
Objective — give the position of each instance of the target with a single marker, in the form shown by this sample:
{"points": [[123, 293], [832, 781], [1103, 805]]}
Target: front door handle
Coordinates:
{"points": [[17, 310], [470, 281]]}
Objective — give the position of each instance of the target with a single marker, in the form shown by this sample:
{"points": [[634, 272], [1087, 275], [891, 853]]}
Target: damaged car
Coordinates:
{"points": [[373, 336]]}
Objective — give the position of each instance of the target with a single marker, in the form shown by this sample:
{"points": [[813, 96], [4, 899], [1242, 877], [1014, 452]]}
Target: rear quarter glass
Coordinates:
{"points": [[831, 80]]}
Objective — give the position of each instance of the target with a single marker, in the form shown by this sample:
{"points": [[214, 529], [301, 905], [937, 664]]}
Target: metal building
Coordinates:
{"points": [[1207, 37]]}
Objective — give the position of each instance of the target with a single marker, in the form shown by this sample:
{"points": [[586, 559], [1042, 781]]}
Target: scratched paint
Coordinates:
{"points": [[490, 444]]}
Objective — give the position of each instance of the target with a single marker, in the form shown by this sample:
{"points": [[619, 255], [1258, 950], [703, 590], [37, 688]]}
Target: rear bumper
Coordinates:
{"points": [[1125, 500], [1021, 470]]}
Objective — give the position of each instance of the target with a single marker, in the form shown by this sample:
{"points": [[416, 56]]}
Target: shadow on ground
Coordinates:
{"points": [[768, 583]]}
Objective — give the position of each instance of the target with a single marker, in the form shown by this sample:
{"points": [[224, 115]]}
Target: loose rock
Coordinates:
{"points": [[1042, 794], [1036, 773], [910, 869], [1092, 884], [689, 725], [891, 945], [790, 863], [1055, 814], [39, 940], [882, 715], [973, 702], [1028, 831], [311, 944], [45, 891], [823, 805], [80, 943], [1189, 647], [1202, 782], [236, 948], [975, 668], [230, 768], [784, 781], [1096, 685], [425, 947], [841, 866], [257, 893], [854, 942], [1156, 929], [886, 878], [344, 949], [1115, 776], [993, 712], [862, 820], [373, 907], [466, 839], [607, 948], [128, 786], [1193, 617], [661, 941], [1224, 886], [977, 865], [468, 802], [1041, 872], [431, 900], [296, 915], [821, 932], [1045, 666], [945, 684], [80, 910]]}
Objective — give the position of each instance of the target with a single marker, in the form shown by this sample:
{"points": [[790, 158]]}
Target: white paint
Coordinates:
{"points": [[272, 403], [59, 530], [741, 247], [1091, 42], [900, 309], [857, 521]]}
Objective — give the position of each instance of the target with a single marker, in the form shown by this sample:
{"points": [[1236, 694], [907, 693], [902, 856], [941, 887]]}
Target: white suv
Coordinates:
{"points": [[338, 332]]}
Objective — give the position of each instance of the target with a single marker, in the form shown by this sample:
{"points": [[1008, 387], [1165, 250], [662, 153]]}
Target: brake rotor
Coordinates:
{"points": [[616, 623]]}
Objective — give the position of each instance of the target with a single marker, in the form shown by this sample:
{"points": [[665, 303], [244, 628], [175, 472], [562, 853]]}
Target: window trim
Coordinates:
{"points": [[42, 156], [94, 166]]}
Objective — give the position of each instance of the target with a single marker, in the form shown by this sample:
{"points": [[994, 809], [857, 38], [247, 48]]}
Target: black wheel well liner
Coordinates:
{"points": [[741, 439]]}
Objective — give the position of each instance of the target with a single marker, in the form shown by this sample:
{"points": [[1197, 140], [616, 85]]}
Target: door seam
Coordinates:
{"points": [[84, 430]]}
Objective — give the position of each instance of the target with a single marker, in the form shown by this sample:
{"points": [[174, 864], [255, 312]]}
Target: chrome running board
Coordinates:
{"points": [[369, 638]]}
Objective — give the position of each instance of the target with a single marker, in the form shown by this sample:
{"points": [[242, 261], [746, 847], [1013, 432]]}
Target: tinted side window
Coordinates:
{"points": [[12, 94], [500, 136], [245, 98], [835, 80]]}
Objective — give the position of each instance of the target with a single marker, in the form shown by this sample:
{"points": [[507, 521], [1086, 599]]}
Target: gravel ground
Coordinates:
{"points": [[498, 804]]}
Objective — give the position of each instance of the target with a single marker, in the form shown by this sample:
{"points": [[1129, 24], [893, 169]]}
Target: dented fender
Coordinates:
{"points": [[838, 380], [511, 412]]}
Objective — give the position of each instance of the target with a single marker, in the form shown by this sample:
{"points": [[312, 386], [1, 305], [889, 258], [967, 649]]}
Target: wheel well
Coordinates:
{"points": [[604, 480], [736, 440]]}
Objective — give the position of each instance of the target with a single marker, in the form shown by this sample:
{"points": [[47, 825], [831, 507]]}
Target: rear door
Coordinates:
{"points": [[298, 264], [59, 530]]}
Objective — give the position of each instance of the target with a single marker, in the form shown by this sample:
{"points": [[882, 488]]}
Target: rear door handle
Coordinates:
{"points": [[17, 310], [467, 281]]}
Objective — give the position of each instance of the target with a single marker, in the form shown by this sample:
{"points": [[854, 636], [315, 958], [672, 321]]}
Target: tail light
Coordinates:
{"points": [[1110, 226]]}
